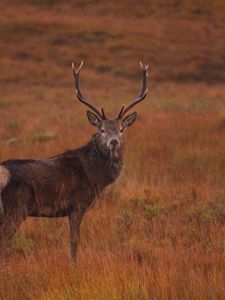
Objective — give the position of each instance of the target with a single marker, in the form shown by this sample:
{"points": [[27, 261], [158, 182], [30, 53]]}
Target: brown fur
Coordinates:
{"points": [[63, 185]]}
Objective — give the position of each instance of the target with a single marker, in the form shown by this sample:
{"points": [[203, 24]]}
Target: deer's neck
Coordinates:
{"points": [[104, 165]]}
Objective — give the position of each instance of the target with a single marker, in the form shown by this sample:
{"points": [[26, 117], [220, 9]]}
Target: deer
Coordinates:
{"points": [[67, 184]]}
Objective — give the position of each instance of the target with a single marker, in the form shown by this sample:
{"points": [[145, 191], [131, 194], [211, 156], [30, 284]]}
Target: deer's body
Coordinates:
{"points": [[65, 184], [56, 187]]}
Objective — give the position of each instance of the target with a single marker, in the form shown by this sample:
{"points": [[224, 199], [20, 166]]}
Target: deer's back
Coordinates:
{"points": [[44, 186]]}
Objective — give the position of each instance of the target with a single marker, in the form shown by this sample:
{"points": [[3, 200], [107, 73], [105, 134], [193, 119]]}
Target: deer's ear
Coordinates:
{"points": [[93, 119], [129, 120]]}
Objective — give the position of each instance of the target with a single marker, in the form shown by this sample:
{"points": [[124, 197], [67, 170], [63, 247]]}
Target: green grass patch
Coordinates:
{"points": [[42, 136], [21, 244]]}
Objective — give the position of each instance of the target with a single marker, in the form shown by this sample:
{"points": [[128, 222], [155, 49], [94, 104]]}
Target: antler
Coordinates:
{"points": [[142, 95], [79, 95]]}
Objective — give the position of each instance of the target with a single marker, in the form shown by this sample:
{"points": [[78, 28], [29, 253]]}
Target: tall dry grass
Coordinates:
{"points": [[158, 233]]}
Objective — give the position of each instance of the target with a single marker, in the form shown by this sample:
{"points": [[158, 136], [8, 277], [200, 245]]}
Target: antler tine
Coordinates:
{"points": [[78, 92], [121, 112], [103, 113], [142, 95]]}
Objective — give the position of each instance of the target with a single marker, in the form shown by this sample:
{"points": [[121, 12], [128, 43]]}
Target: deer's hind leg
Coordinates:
{"points": [[8, 228], [17, 200], [1, 208]]}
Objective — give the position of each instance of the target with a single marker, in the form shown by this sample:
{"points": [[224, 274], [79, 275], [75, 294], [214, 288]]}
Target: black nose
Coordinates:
{"points": [[114, 143]]}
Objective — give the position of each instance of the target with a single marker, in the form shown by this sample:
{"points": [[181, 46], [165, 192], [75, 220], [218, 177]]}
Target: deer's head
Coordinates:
{"points": [[110, 131]]}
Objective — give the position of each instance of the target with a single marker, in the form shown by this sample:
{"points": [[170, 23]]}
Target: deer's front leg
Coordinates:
{"points": [[75, 219]]}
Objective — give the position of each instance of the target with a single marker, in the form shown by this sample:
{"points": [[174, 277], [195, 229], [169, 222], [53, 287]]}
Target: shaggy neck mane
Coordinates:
{"points": [[106, 164]]}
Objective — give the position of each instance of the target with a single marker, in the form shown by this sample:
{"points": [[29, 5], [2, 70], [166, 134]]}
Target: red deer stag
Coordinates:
{"points": [[67, 183]]}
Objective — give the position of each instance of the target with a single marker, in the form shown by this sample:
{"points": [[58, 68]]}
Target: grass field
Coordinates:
{"points": [[159, 232]]}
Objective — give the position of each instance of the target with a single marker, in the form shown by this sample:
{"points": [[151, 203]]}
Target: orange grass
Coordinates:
{"points": [[158, 233]]}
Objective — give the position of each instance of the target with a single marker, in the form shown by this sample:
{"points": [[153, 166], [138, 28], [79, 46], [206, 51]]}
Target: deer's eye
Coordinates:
{"points": [[103, 130], [121, 130]]}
